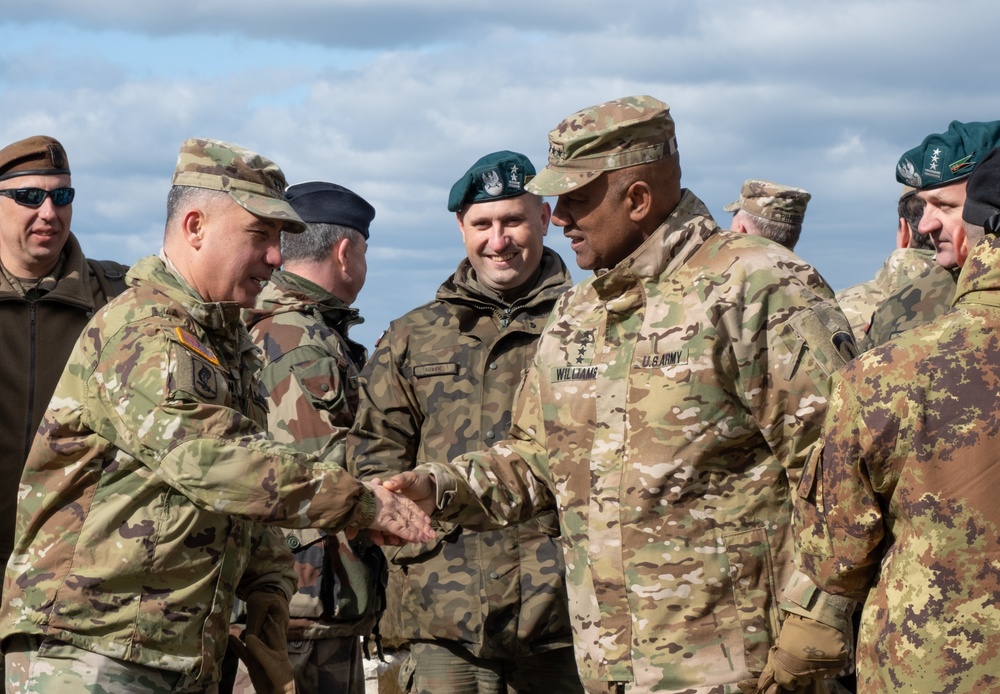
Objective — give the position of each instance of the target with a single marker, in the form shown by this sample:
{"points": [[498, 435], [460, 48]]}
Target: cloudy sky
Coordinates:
{"points": [[396, 98]]}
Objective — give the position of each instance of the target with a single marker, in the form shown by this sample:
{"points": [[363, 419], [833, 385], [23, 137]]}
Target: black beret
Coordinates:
{"points": [[36, 155], [328, 203], [982, 194]]}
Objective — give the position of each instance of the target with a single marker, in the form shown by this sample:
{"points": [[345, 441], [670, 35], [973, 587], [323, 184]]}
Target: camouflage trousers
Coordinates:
{"points": [[444, 668], [321, 666], [34, 665]]}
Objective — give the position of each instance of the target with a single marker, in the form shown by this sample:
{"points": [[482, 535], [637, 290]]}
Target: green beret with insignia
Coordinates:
{"points": [[494, 177], [38, 155], [948, 157], [772, 201], [255, 183], [613, 135]]}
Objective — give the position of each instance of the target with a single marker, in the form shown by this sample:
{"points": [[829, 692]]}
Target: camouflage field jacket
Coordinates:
{"points": [[858, 302], [923, 299], [137, 508], [901, 500], [310, 380], [666, 415], [441, 383]]}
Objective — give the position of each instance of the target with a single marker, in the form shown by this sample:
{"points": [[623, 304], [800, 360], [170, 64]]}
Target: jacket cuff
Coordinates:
{"points": [[804, 598], [363, 512]]}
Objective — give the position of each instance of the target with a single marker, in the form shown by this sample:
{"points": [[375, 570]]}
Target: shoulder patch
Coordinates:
{"points": [[195, 345]]}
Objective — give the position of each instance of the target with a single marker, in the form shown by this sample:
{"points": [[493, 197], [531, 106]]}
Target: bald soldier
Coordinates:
{"points": [[771, 210], [665, 416], [145, 494]]}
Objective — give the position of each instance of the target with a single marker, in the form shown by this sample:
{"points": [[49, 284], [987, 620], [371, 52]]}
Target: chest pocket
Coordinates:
{"points": [[192, 377]]}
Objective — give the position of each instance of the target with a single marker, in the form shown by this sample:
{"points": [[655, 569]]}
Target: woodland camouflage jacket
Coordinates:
{"points": [[441, 383], [310, 380]]}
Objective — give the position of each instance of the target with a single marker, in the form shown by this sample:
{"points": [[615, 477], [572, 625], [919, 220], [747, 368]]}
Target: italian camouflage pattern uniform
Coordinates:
{"points": [[859, 301], [441, 383], [899, 508], [310, 379], [666, 415], [928, 296], [142, 496]]}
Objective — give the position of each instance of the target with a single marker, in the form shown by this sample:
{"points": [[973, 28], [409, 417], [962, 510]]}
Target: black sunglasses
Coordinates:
{"points": [[34, 197]]}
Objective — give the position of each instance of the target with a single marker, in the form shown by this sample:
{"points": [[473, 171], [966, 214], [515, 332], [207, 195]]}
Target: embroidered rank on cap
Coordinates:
{"points": [[193, 344]]}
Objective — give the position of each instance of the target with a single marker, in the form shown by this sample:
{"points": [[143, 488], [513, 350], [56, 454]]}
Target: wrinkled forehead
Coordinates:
{"points": [[951, 195]]}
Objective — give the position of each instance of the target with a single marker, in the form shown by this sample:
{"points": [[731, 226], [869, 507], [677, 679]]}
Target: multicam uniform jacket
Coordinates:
{"points": [[35, 341], [925, 298], [442, 383], [310, 379], [901, 499], [666, 416], [859, 301], [137, 507]]}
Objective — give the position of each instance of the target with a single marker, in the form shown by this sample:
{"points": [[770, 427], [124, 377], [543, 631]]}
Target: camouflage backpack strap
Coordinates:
{"points": [[110, 275]]}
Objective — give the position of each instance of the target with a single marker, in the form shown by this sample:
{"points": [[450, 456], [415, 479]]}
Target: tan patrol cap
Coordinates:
{"points": [[255, 183], [613, 135], [772, 201]]}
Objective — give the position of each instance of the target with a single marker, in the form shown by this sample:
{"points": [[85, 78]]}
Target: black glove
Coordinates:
{"points": [[264, 647]]}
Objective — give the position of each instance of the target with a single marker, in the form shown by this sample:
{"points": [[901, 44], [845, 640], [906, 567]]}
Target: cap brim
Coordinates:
{"points": [[269, 208], [548, 181], [732, 207]]}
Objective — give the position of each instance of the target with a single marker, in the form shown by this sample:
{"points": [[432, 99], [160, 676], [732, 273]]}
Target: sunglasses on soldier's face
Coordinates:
{"points": [[34, 197]]}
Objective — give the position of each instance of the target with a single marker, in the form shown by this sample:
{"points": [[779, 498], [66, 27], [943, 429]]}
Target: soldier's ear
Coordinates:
{"points": [[339, 253], [192, 227]]}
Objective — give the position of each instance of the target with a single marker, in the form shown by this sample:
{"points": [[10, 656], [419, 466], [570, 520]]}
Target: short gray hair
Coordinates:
{"points": [[780, 232], [181, 197], [315, 243]]}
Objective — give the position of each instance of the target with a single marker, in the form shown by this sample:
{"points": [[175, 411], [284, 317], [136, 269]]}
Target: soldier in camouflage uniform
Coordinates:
{"points": [[938, 168], [666, 416], [771, 210], [144, 494], [913, 256], [486, 611], [900, 501], [310, 380]]}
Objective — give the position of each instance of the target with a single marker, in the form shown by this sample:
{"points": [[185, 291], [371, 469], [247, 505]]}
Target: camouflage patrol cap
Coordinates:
{"points": [[495, 176], [948, 157], [255, 183], [39, 155], [613, 135], [982, 196], [772, 201]]}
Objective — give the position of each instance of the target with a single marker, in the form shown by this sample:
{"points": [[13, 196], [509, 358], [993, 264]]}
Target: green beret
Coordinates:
{"points": [[38, 155], [494, 177], [772, 201], [255, 183], [948, 157], [614, 135]]}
